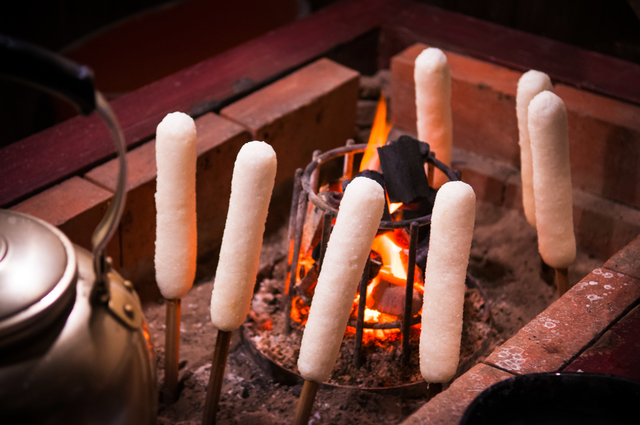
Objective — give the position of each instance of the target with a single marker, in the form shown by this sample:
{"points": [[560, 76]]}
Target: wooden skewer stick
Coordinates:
{"points": [[172, 349], [217, 374], [307, 397], [433, 390], [562, 281]]}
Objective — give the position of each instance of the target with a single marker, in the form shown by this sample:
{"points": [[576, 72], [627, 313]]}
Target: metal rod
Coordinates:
{"points": [[220, 354], [338, 152], [326, 232], [302, 212], [172, 349], [562, 281], [362, 303], [408, 297], [347, 169], [305, 403], [396, 324], [297, 185], [315, 175]]}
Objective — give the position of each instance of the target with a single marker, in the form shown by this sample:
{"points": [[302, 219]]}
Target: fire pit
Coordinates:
{"points": [[380, 352], [503, 257]]}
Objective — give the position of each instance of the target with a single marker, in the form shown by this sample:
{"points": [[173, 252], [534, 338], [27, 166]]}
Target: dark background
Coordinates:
{"points": [[130, 43]]}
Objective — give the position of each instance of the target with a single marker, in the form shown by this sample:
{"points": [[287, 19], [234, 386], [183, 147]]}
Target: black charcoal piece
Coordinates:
{"points": [[375, 264], [403, 169], [308, 282], [422, 252]]}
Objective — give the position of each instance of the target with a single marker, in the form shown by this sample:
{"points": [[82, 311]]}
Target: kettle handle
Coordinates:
{"points": [[45, 70], [50, 72]]}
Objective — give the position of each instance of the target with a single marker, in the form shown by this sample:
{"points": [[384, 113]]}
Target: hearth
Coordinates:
{"points": [[606, 214]]}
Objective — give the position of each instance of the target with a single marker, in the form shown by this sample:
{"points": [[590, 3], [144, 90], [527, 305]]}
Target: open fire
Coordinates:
{"points": [[385, 293], [385, 279]]}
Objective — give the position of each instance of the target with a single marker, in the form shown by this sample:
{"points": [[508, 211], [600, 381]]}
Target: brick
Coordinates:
{"points": [[627, 260], [487, 176], [604, 134], [589, 104], [449, 406], [557, 335], [603, 227], [219, 141], [141, 169], [604, 158], [137, 227], [482, 103], [313, 108], [76, 207], [513, 193], [616, 353]]}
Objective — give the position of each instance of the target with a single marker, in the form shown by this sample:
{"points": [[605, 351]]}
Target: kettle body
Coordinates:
{"points": [[74, 348], [83, 362]]}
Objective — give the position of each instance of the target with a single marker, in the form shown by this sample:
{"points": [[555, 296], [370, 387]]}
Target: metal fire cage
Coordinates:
{"points": [[304, 190]]}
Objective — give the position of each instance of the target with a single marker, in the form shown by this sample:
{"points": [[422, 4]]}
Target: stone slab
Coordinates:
{"points": [[313, 108], [561, 332], [448, 407], [616, 353]]}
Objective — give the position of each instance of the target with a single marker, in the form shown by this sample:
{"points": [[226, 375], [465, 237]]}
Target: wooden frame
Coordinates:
{"points": [[359, 33]]}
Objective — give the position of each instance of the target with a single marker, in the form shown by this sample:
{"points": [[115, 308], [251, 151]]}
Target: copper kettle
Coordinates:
{"points": [[74, 348]]}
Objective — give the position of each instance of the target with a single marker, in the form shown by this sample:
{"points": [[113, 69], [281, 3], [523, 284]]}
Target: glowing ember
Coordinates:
{"points": [[393, 206], [390, 248], [392, 264]]}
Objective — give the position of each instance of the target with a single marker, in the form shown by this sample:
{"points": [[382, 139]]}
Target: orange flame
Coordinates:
{"points": [[378, 137], [388, 245], [393, 206], [392, 267]]}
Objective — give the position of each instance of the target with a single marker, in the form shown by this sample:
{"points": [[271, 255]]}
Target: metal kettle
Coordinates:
{"points": [[74, 348]]}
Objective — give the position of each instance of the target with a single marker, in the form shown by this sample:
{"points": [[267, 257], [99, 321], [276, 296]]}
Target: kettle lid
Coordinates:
{"points": [[38, 273]]}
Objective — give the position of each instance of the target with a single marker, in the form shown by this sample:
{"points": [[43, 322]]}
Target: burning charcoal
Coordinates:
{"points": [[379, 178], [422, 251], [305, 288], [419, 209], [375, 264], [403, 169], [315, 254], [312, 230], [389, 298]]}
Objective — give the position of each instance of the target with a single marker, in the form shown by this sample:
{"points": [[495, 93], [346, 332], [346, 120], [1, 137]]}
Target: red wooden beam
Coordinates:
{"points": [[73, 146]]}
